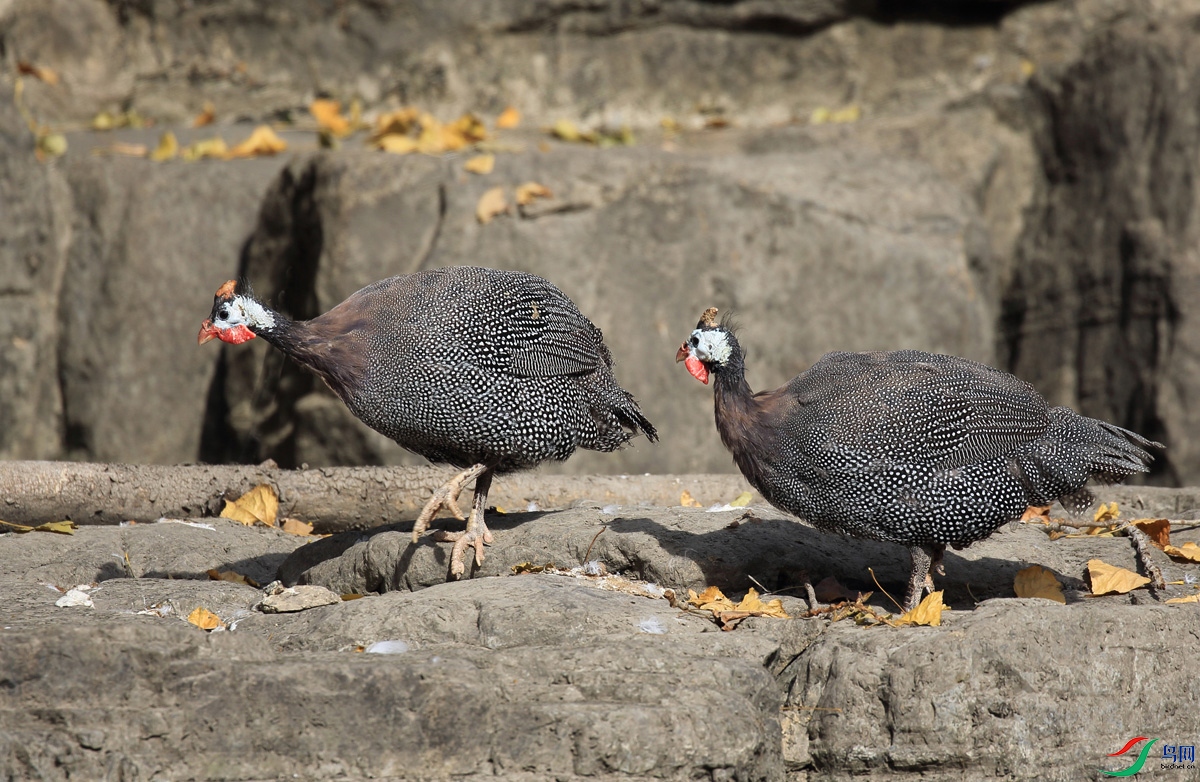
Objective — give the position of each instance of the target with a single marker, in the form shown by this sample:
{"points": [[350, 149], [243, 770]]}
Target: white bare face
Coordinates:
{"points": [[711, 346], [242, 311]]}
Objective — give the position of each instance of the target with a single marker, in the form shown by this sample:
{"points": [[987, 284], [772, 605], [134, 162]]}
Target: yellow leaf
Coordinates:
{"points": [[469, 128], [1189, 599], [16, 527], [1028, 68], [167, 147], [1188, 551], [753, 604], [328, 114], [565, 130], [205, 117], [509, 118], [1107, 579], [397, 144], [1107, 512], [687, 501], [232, 577], [260, 505], [399, 122], [1158, 530], [211, 147], [50, 145], [711, 599], [263, 141], [296, 527], [849, 113], [490, 204], [742, 500], [928, 612], [205, 619], [124, 149], [61, 527], [481, 164], [528, 192], [1037, 581]]}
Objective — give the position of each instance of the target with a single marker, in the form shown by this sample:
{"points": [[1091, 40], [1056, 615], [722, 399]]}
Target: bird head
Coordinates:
{"points": [[236, 316], [709, 348]]}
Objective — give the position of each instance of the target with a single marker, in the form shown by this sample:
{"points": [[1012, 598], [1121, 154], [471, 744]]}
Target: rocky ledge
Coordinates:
{"points": [[580, 670]]}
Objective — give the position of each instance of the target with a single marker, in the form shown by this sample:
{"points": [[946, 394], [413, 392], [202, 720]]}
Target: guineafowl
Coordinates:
{"points": [[906, 447], [490, 371]]}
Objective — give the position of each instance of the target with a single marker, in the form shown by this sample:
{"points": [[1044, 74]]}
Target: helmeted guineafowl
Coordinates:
{"points": [[490, 371], [907, 447]]}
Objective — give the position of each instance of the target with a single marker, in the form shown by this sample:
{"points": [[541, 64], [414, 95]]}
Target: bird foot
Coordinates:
{"points": [[445, 497], [473, 538]]}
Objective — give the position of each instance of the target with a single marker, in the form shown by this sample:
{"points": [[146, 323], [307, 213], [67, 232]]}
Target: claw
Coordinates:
{"points": [[445, 497]]}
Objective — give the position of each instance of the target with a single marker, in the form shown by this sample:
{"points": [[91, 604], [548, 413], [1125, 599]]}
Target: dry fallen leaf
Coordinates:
{"points": [[742, 500], [509, 118], [1189, 599], [565, 130], [263, 141], [232, 577], [260, 505], [397, 144], [528, 192], [210, 147], [296, 527], [1188, 551], [205, 619], [167, 147], [688, 501], [753, 604], [822, 115], [481, 164], [328, 114], [47, 75], [729, 615], [1037, 581], [928, 612], [1158, 530], [123, 149], [1108, 579], [205, 117], [711, 599], [1038, 513], [1107, 512], [490, 204], [61, 527], [49, 145]]}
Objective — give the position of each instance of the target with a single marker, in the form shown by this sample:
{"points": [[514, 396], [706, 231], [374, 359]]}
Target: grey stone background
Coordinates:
{"points": [[1019, 189]]}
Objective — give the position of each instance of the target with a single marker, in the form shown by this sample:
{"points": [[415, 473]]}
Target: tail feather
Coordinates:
{"points": [[1087, 449]]}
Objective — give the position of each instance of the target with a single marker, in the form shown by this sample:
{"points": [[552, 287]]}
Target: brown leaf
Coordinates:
{"points": [[328, 114], [397, 144], [1107, 579], [47, 75], [711, 599], [481, 164], [232, 577], [206, 117], [167, 148], [1107, 512], [1037, 581], [1189, 552], [296, 527], [263, 141], [1189, 599], [688, 501], [1158, 530], [491, 204], [205, 619], [509, 118], [528, 192], [928, 612], [260, 505], [1036, 513]]}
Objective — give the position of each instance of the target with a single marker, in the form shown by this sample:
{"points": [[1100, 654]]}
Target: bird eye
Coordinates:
{"points": [[694, 340], [223, 313]]}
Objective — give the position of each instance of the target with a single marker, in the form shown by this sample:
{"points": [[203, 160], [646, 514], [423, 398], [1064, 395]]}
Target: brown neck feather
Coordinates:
{"points": [[334, 346], [744, 420]]}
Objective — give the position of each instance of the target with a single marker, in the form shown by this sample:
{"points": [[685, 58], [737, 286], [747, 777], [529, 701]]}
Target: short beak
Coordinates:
{"points": [[208, 332], [680, 354]]}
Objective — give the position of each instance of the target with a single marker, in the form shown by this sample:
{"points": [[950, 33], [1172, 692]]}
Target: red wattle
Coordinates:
{"points": [[236, 335], [697, 369]]}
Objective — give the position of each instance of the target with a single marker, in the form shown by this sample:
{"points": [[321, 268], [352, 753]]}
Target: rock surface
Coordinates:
{"points": [[974, 178], [561, 675]]}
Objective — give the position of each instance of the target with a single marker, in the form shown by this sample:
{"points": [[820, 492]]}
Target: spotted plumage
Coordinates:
{"points": [[478, 368], [907, 447]]}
